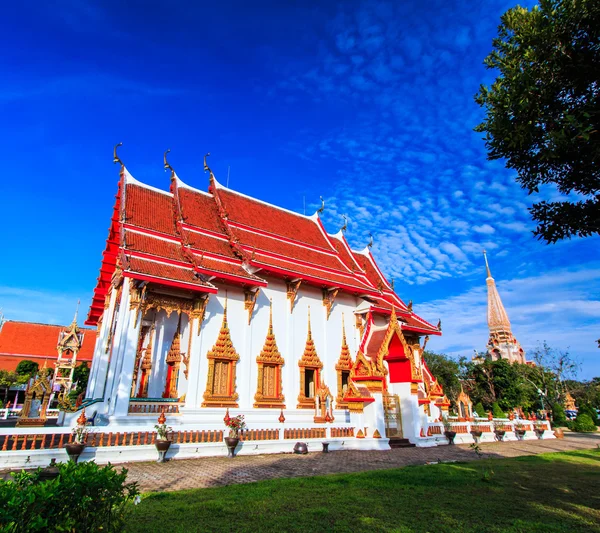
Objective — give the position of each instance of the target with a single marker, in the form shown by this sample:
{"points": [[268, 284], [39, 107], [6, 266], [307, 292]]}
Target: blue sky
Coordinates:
{"points": [[368, 104]]}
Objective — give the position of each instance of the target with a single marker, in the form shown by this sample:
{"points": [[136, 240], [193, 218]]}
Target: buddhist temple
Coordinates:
{"points": [[502, 344], [212, 303]]}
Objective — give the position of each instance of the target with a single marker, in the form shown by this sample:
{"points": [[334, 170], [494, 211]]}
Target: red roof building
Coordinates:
{"points": [[188, 239], [21, 341]]}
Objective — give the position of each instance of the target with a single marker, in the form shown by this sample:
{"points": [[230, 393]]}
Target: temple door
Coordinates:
{"points": [[393, 415]]}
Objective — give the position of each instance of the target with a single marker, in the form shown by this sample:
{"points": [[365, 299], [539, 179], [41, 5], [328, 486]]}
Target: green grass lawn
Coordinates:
{"points": [[545, 493]]}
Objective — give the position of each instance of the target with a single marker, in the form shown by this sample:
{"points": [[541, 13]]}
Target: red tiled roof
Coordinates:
{"points": [[142, 268], [199, 210], [271, 219], [154, 246], [150, 209], [328, 279], [26, 340]]}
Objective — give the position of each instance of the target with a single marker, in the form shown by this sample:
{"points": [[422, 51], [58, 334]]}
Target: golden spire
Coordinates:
{"points": [[310, 356], [270, 352], [174, 353], [345, 360], [496, 314], [223, 348], [147, 360]]}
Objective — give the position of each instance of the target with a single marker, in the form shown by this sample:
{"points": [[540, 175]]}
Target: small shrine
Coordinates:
{"points": [[464, 406], [569, 402], [37, 397]]}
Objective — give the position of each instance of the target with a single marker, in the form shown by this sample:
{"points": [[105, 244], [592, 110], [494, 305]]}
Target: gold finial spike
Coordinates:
{"points": [[206, 167], [343, 330], [116, 158], [76, 312], [166, 163], [309, 328], [271, 315], [322, 208], [487, 266]]}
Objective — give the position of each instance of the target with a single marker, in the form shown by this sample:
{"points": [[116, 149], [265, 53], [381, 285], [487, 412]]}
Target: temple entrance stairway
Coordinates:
{"points": [[397, 442]]}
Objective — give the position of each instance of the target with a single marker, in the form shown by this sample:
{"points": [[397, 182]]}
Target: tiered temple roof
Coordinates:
{"points": [[189, 238]]}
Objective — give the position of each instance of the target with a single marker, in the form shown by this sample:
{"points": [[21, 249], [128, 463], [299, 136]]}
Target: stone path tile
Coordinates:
{"points": [[217, 471]]}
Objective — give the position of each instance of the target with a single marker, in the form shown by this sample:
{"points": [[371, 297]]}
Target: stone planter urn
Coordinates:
{"points": [[162, 447], [540, 432], [520, 433], [231, 443], [450, 436], [500, 434], [476, 435], [74, 450]]}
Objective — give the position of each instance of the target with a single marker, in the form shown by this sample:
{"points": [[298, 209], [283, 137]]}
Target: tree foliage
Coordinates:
{"points": [[446, 370], [27, 368], [81, 375], [543, 110]]}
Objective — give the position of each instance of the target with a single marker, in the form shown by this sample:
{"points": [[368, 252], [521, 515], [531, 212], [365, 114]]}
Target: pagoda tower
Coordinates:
{"points": [[502, 343], [69, 343]]}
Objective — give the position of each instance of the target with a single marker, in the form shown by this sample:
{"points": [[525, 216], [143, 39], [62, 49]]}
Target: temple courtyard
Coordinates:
{"points": [[544, 486], [218, 471]]}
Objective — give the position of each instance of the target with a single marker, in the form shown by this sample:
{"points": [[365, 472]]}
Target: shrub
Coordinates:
{"points": [[479, 409], [583, 423], [83, 498], [587, 409], [497, 412], [559, 418]]}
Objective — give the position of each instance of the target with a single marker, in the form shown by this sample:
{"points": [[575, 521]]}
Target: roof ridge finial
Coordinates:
{"points": [[207, 168], [487, 266], [322, 208], [370, 245], [345, 226], [166, 163], [116, 158]]}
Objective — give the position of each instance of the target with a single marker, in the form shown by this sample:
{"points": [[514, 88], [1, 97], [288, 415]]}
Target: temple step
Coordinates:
{"points": [[396, 442]]}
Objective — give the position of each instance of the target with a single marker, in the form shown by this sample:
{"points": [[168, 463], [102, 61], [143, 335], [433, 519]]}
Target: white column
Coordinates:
{"points": [[101, 358]]}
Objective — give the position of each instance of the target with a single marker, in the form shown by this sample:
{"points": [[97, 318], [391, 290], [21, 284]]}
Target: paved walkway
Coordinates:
{"points": [[218, 471]]}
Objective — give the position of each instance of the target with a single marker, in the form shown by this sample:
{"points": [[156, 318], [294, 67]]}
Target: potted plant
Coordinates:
{"points": [[476, 431], [162, 442], [448, 431], [540, 428], [80, 432], [499, 430], [520, 430], [235, 425]]}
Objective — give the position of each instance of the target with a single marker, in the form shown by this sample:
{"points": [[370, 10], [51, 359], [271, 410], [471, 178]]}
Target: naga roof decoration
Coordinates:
{"points": [[270, 352], [223, 348], [310, 357], [185, 238]]}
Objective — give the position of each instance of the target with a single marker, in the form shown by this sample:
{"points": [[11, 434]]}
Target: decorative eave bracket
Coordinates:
{"points": [[292, 290], [328, 299], [250, 296]]}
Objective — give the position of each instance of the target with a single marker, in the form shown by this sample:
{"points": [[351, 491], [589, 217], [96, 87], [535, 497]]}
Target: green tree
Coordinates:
{"points": [[446, 370], [8, 379], [543, 110], [583, 422], [27, 368], [81, 375], [559, 418]]}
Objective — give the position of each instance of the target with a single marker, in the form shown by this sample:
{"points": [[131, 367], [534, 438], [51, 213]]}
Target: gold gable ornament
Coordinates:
{"points": [[37, 397]]}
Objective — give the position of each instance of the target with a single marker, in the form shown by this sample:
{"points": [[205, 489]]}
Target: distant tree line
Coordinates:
{"points": [[500, 386]]}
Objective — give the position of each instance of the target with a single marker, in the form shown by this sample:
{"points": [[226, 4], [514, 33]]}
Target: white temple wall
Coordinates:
{"points": [[99, 368]]}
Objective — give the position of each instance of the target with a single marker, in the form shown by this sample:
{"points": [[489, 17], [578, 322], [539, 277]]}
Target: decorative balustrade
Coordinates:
{"points": [[137, 407], [259, 434], [341, 432], [96, 440], [307, 433]]}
